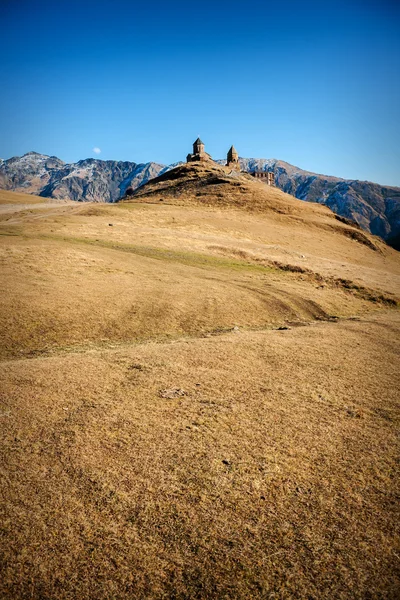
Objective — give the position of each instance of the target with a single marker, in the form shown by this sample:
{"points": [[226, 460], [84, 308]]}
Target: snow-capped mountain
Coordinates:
{"points": [[374, 207]]}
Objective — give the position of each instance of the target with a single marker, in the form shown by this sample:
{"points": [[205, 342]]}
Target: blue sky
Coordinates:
{"points": [[315, 84]]}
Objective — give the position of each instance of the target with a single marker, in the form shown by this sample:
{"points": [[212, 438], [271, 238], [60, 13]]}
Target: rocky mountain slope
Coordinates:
{"points": [[376, 208], [91, 179]]}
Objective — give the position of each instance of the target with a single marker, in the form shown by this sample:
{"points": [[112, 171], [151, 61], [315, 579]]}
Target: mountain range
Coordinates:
{"points": [[375, 207]]}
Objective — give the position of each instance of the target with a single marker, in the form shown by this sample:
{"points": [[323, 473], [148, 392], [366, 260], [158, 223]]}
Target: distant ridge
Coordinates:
{"points": [[375, 207]]}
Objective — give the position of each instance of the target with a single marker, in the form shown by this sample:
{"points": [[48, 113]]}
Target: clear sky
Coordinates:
{"points": [[315, 84]]}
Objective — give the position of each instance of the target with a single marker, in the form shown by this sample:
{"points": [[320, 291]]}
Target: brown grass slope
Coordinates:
{"points": [[7, 197], [274, 475], [210, 184], [161, 437]]}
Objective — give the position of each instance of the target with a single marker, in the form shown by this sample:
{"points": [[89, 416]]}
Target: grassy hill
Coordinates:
{"points": [[198, 396]]}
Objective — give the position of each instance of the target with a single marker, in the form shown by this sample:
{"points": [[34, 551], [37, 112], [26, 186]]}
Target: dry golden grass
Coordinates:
{"points": [[273, 476], [7, 197], [161, 437]]}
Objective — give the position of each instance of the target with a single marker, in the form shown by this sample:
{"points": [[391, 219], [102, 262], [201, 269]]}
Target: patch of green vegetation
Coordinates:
{"points": [[193, 259], [11, 231], [197, 259]]}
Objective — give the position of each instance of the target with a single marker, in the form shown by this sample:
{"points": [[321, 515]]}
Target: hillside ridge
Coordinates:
{"points": [[375, 207]]}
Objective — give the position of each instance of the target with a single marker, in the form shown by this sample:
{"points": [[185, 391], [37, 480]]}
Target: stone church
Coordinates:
{"points": [[199, 154], [232, 161]]}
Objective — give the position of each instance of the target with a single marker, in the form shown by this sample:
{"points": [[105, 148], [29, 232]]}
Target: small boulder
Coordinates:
{"points": [[172, 393]]}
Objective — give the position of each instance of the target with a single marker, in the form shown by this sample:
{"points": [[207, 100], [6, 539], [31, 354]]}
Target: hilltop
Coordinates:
{"points": [[376, 208], [209, 184]]}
